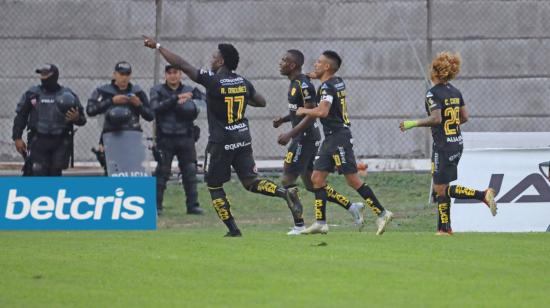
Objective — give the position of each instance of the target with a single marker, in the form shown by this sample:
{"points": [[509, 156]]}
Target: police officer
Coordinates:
{"points": [[175, 106], [122, 102], [48, 111]]}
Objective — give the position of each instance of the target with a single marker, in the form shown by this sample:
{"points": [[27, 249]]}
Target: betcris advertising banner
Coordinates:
{"points": [[77, 203], [520, 178]]}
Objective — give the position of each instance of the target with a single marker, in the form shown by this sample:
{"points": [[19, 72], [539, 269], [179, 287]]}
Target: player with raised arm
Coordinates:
{"points": [[446, 112], [305, 136], [337, 147], [229, 142]]}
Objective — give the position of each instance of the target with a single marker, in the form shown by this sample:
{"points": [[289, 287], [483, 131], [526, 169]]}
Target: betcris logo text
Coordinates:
{"points": [[77, 203]]}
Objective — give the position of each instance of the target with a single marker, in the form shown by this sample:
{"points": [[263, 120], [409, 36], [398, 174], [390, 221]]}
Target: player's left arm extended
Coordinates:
{"points": [[257, 100], [173, 58], [433, 120], [320, 111]]}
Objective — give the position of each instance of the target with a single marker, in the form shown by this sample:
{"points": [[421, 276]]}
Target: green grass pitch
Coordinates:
{"points": [[187, 262]]}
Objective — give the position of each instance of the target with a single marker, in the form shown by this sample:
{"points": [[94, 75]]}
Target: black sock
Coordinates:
{"points": [[461, 192], [444, 213], [336, 197], [320, 204], [370, 199], [268, 188], [297, 217], [223, 208]]}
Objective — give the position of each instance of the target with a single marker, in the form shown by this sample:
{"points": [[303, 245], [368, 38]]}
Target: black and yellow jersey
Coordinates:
{"points": [[448, 99], [334, 91], [227, 96], [300, 92]]}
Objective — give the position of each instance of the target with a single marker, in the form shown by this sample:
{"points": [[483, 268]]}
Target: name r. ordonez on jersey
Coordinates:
{"points": [[227, 97]]}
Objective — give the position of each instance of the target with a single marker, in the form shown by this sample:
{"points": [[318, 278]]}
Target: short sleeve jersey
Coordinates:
{"points": [[448, 99], [334, 92], [227, 96], [300, 92]]}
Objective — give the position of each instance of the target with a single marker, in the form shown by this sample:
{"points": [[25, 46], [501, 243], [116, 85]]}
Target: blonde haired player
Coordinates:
{"points": [[446, 111]]}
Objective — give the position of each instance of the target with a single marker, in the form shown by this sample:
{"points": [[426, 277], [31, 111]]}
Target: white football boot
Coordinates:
{"points": [[296, 230], [316, 228], [383, 221]]}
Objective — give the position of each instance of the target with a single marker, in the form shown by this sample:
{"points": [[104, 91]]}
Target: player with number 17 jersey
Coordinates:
{"points": [[227, 97]]}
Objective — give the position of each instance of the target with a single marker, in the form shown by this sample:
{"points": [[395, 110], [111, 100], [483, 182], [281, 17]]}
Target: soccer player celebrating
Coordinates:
{"points": [[337, 148], [229, 141], [446, 111], [305, 137]]}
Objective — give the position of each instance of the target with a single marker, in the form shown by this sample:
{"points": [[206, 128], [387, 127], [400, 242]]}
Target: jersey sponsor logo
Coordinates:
{"points": [[83, 203], [234, 146], [232, 81], [454, 139], [240, 126], [293, 107]]}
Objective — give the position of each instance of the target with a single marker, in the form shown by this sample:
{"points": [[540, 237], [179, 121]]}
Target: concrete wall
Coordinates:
{"points": [[504, 46]]}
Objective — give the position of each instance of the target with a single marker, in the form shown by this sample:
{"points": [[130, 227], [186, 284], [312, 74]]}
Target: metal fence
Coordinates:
{"points": [[386, 46]]}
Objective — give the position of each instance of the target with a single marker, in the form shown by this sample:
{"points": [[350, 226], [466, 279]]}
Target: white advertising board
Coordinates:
{"points": [[523, 189]]}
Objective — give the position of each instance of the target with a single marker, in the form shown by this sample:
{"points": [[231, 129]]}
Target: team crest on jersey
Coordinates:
{"points": [[429, 94], [306, 93], [293, 91]]}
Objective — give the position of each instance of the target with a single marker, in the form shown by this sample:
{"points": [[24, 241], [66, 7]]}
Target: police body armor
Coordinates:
{"points": [[119, 117], [174, 118], [47, 118]]}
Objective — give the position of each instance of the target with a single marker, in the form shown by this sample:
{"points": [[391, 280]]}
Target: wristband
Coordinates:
{"points": [[410, 124]]}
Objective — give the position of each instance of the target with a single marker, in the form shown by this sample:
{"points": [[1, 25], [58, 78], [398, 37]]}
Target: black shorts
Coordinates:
{"points": [[336, 151], [220, 158], [445, 165], [300, 156]]}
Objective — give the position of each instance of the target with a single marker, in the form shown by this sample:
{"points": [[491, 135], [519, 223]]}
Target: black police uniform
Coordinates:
{"points": [[176, 136], [49, 134], [119, 117], [229, 140], [337, 148], [447, 137], [303, 148]]}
